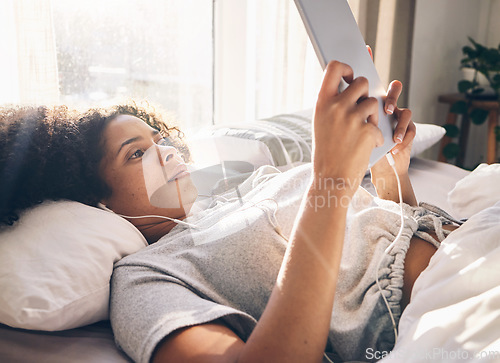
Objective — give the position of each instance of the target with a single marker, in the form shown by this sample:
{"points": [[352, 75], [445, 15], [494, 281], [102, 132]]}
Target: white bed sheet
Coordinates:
{"points": [[433, 180]]}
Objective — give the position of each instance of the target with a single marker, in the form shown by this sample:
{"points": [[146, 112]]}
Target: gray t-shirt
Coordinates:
{"points": [[227, 268]]}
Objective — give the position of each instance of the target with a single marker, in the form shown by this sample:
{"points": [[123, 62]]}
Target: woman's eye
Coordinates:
{"points": [[139, 153]]}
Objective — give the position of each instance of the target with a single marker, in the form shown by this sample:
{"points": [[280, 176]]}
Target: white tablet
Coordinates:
{"points": [[335, 35]]}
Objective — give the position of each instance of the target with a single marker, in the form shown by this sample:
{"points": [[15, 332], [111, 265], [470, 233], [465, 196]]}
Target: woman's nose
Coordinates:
{"points": [[166, 153]]}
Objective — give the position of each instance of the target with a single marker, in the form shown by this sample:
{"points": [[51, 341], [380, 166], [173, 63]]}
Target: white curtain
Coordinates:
{"points": [[394, 42], [9, 75], [287, 72], [29, 63]]}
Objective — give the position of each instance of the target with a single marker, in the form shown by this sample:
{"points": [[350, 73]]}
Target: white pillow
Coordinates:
{"points": [[477, 191], [56, 263], [427, 135], [280, 140], [207, 150]]}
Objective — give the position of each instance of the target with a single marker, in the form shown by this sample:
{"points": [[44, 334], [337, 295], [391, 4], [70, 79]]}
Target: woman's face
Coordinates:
{"points": [[126, 140]]}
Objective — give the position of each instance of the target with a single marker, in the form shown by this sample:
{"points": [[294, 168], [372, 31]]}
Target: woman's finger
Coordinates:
{"points": [[411, 131], [375, 133], [357, 90], [334, 72], [403, 117], [393, 94], [368, 110]]}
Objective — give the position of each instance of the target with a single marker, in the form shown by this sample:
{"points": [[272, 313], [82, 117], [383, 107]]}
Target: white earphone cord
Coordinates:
{"points": [[390, 159], [269, 217]]}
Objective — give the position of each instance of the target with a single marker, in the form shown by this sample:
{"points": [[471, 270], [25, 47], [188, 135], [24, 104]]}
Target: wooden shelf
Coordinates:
{"points": [[491, 106]]}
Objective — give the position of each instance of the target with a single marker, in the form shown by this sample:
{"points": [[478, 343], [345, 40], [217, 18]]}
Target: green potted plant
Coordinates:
{"points": [[483, 65], [481, 69]]}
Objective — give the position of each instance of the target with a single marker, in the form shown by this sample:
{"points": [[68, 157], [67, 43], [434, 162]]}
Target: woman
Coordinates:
{"points": [[54, 153], [235, 290]]}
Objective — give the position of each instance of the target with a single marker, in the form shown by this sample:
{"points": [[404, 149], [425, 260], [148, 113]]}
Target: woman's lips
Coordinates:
{"points": [[179, 172]]}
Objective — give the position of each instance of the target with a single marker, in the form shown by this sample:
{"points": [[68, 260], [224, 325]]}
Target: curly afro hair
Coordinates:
{"points": [[53, 153]]}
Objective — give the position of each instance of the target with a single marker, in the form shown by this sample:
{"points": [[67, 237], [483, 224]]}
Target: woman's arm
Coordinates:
{"points": [[295, 323], [387, 188]]}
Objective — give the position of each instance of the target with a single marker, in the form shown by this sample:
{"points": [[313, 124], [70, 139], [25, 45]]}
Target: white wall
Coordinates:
{"points": [[493, 35], [441, 30]]}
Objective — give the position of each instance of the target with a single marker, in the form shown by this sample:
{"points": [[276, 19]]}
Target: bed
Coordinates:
{"points": [[77, 329]]}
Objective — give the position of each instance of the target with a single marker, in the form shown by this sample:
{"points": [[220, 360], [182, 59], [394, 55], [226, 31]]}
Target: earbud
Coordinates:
{"points": [[103, 207], [390, 159]]}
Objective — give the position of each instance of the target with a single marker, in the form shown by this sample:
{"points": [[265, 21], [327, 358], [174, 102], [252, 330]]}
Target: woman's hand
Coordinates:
{"points": [[382, 175], [344, 128], [404, 134], [405, 130]]}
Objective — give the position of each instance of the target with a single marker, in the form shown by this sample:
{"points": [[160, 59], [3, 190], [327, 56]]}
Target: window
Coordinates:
{"points": [[155, 50], [205, 61], [100, 52]]}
